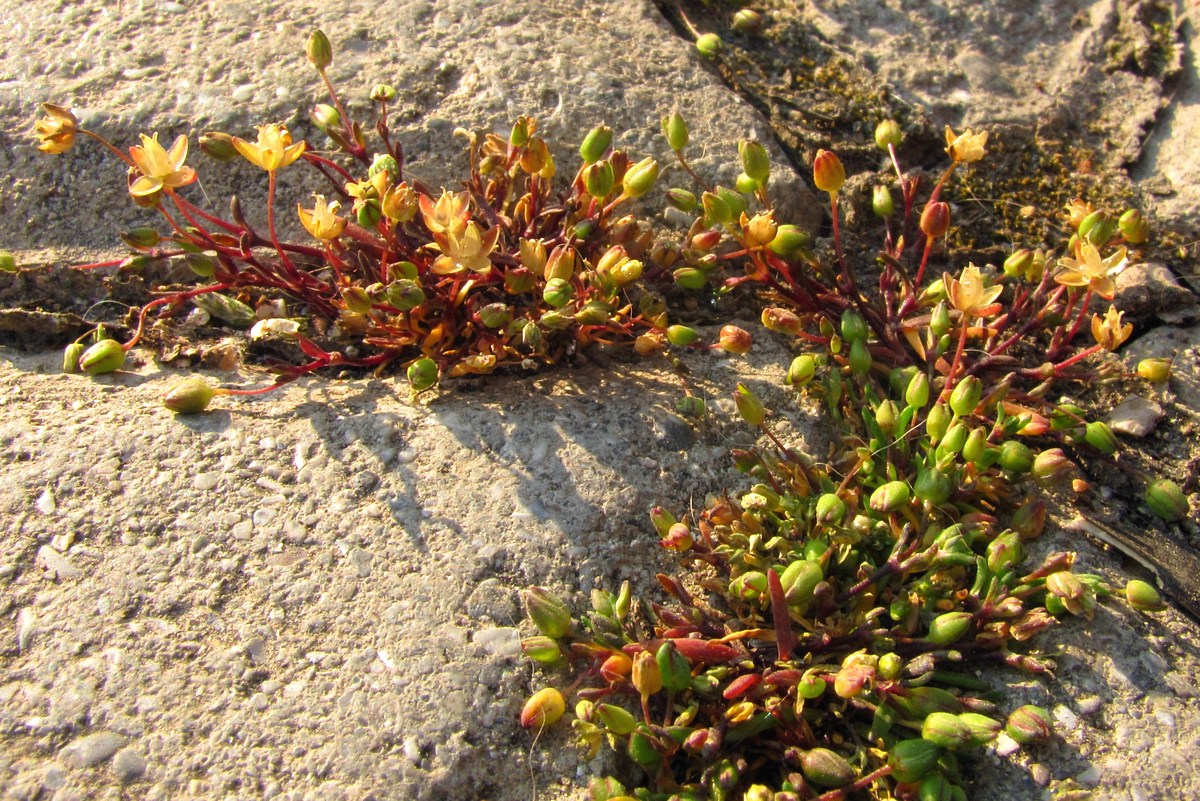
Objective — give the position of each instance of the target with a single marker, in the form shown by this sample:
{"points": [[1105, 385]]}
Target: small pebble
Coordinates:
{"points": [[129, 765], [1090, 777], [92, 749], [1090, 705], [45, 503], [205, 481], [1040, 773], [1135, 417]]}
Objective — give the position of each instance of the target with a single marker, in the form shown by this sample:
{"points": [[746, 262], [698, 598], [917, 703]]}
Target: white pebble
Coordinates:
{"points": [[45, 503]]}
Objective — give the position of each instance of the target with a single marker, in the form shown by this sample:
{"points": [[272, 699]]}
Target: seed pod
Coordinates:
{"points": [[974, 448], [749, 406], [640, 177], [682, 199], [1101, 437], [910, 760], [1134, 227], [853, 326], [1051, 467], [1017, 264], [1097, 228], [547, 611], [142, 238], [859, 358], [1164, 497], [734, 340], [747, 21], [933, 486], [105, 356], [543, 708], [383, 93], [799, 580], [1004, 552], [190, 396], [599, 180], [682, 335], [8, 262], [558, 293], [1029, 520], [826, 768], [937, 422], [934, 787], [890, 665], [939, 318], [935, 219], [1028, 724], [594, 312]]}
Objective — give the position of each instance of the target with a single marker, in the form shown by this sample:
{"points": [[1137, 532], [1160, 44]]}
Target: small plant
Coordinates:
{"points": [[818, 642], [510, 270]]}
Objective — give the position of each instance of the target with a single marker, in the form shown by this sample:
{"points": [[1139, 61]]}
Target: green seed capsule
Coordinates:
{"points": [[890, 497], [946, 730], [71, 355], [422, 374], [105, 356], [911, 760], [189, 396], [826, 768], [860, 359], [1166, 499], [949, 627]]}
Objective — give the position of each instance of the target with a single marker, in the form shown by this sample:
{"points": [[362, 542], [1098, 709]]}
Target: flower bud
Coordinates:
{"points": [[789, 240], [105, 356], [755, 161], [830, 509], [745, 184], [859, 359], [734, 340], [557, 293], [594, 312], [598, 179], [1134, 227], [673, 667], [1018, 263], [1143, 596], [495, 315], [1101, 437], [595, 145], [1098, 228], [881, 202], [935, 219], [356, 299], [615, 719], [801, 370], [8, 262], [716, 209], [1051, 467], [749, 406], [141, 238], [1164, 497], [966, 396], [1029, 724], [826, 768], [675, 129], [945, 730], [890, 665], [933, 486], [974, 449], [910, 760], [404, 294], [640, 177], [916, 394], [318, 50], [983, 729], [542, 709], [784, 321], [890, 497], [937, 422], [747, 21], [887, 133], [799, 581], [218, 146], [189, 396], [383, 93], [325, 117], [547, 611], [1004, 552], [1155, 371], [678, 538], [422, 374], [886, 416], [646, 677], [853, 326], [682, 335], [949, 627], [939, 318], [554, 320], [828, 172], [682, 199], [71, 356], [541, 649], [1016, 457], [709, 45]]}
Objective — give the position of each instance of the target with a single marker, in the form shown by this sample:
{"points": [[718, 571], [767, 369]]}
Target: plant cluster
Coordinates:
{"points": [[818, 640], [510, 270], [821, 640]]}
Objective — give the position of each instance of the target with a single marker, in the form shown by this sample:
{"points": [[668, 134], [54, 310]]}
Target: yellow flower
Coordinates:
{"points": [[56, 130], [1108, 331], [273, 150], [160, 168], [322, 221], [448, 215], [1091, 271], [969, 295], [399, 203], [965, 147], [469, 250], [1076, 211]]}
